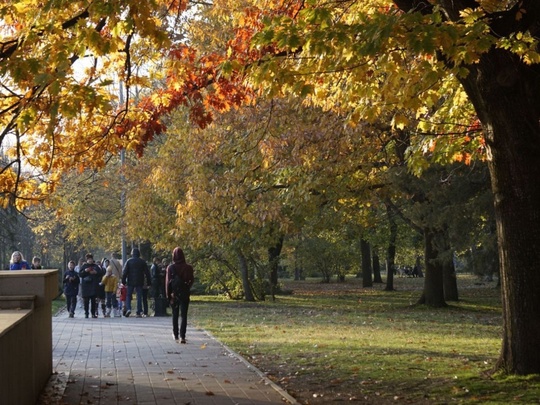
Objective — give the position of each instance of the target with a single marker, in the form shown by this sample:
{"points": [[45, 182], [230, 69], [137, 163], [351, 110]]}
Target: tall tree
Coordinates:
{"points": [[434, 204], [376, 266], [491, 49]]}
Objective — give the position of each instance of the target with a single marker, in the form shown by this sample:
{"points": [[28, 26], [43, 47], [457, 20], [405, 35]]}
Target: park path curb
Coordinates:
{"points": [[136, 361], [261, 374]]}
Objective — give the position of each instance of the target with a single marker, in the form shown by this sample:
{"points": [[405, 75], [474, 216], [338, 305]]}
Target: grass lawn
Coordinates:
{"points": [[58, 303], [339, 342]]}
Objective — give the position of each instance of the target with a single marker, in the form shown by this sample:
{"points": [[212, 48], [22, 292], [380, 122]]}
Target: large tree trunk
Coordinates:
{"points": [[433, 294], [367, 279], [273, 260], [244, 271], [448, 268], [505, 94]]}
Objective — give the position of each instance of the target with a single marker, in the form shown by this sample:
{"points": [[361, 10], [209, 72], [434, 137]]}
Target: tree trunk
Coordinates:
{"points": [[273, 260], [449, 278], [376, 267], [367, 280], [298, 274], [505, 93], [449, 270], [244, 271], [391, 249], [433, 294]]}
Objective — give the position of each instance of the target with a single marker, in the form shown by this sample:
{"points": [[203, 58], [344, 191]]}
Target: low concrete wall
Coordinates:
{"points": [[25, 333]]}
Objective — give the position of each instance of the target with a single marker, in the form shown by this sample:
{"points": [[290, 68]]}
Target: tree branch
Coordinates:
{"points": [[523, 16], [71, 22], [407, 6]]}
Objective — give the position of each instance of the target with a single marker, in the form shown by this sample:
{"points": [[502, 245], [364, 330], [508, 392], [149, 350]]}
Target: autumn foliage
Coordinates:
{"points": [[102, 76]]}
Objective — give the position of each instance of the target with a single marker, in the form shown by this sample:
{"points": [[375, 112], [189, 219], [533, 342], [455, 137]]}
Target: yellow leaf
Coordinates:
{"points": [[400, 121]]}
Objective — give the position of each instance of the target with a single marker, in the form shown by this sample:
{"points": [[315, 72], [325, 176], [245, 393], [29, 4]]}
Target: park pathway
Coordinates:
{"points": [[136, 361]]}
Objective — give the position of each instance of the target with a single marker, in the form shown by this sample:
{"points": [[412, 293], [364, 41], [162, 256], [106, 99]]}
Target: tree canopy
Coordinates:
{"points": [[81, 80]]}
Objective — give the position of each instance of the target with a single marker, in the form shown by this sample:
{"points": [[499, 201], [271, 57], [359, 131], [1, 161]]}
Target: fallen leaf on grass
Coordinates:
{"points": [[336, 381], [366, 382]]}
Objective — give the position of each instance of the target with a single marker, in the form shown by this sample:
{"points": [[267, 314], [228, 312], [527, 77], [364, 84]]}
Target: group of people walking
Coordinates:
{"points": [[107, 286], [111, 287], [91, 284]]}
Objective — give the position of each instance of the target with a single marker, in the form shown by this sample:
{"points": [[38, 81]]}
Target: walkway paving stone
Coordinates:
{"points": [[136, 361]]}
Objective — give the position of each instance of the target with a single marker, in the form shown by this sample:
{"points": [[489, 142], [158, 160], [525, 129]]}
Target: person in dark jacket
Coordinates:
{"points": [[158, 278], [135, 275], [36, 263], [71, 288], [90, 275], [179, 298]]}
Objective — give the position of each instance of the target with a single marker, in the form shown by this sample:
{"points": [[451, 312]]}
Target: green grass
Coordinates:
{"points": [[58, 303], [340, 342]]}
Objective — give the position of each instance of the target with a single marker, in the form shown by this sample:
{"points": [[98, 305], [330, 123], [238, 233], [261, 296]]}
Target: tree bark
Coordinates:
{"points": [[505, 93], [367, 280], [449, 278], [433, 294], [244, 271], [273, 260], [448, 269]]}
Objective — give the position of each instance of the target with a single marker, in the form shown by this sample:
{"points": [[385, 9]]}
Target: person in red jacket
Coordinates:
{"points": [[178, 282]]}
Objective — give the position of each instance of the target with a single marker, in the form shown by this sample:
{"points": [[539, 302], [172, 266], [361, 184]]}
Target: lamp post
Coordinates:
{"points": [[123, 194]]}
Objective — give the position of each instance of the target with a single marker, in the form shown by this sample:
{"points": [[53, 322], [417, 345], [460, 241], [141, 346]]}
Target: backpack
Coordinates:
{"points": [[178, 286]]}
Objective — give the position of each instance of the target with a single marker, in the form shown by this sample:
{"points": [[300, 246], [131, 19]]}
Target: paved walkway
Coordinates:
{"points": [[136, 361]]}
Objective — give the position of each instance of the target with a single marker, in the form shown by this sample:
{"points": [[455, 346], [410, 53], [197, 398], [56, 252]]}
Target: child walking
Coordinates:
{"points": [[71, 288], [109, 283], [121, 294]]}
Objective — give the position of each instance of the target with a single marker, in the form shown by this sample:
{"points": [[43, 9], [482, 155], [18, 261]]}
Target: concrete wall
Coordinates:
{"points": [[25, 333]]}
